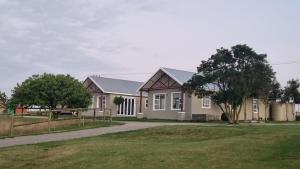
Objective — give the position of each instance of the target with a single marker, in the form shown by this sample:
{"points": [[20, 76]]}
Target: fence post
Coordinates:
{"points": [[49, 121], [82, 121], [110, 114], [94, 118], [79, 117], [12, 125]]}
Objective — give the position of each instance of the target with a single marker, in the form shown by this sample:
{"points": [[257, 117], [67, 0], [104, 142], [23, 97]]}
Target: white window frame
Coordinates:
{"points": [[155, 94], [103, 99], [256, 102], [172, 93], [146, 103], [209, 102]]}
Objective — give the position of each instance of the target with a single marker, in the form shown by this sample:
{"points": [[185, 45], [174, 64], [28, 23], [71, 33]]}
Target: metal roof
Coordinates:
{"points": [[180, 76], [117, 86]]}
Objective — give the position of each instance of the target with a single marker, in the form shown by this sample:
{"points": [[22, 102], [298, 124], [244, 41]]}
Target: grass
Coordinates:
{"points": [[176, 147]]}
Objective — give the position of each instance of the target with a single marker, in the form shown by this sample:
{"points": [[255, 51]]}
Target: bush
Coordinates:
{"points": [[224, 117], [297, 118]]}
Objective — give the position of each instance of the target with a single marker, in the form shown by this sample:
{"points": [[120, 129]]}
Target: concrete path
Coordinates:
{"points": [[22, 140]]}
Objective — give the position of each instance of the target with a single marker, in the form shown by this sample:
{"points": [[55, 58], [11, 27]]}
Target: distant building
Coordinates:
{"points": [[104, 90], [166, 100]]}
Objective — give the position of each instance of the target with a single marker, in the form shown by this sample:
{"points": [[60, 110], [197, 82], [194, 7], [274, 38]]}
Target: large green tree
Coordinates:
{"points": [[232, 76], [51, 91]]}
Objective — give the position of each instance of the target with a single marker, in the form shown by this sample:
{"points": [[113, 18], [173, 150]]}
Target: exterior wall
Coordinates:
{"points": [[283, 112], [110, 103], [193, 107], [168, 113], [214, 112], [247, 113]]}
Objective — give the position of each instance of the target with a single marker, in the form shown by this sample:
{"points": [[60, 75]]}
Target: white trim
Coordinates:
{"points": [[164, 70], [148, 80], [103, 105], [179, 101], [146, 102], [165, 102], [97, 98], [257, 108], [209, 106], [91, 78]]}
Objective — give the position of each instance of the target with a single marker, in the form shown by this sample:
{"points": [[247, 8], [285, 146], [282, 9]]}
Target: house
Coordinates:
{"points": [[166, 100], [104, 90]]}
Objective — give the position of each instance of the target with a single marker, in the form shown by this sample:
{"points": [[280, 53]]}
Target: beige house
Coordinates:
{"points": [[166, 100], [104, 90]]}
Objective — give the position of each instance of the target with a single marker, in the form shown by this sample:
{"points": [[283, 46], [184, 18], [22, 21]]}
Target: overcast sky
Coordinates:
{"points": [[85, 37]]}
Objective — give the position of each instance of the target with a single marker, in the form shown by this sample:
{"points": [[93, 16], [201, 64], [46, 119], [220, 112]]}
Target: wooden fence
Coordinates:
{"points": [[50, 120]]}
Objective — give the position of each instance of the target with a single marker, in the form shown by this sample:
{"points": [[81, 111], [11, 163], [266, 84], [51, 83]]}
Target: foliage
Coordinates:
{"points": [[49, 90], [118, 100], [292, 91], [232, 76], [224, 117], [3, 100]]}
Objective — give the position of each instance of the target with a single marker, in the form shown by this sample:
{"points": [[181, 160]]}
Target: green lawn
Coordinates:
{"points": [[175, 147]]}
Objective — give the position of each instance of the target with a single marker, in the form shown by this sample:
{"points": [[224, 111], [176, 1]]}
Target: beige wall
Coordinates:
{"points": [[193, 106], [248, 114], [168, 113], [214, 112], [110, 102], [283, 112]]}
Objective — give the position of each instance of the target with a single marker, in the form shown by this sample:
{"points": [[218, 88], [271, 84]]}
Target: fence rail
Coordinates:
{"points": [[34, 121]]}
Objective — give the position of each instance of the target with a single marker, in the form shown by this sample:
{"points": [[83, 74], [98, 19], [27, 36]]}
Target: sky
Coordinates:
{"points": [[131, 39]]}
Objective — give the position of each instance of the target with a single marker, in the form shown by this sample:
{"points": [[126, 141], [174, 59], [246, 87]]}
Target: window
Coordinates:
{"points": [[103, 102], [159, 101], [206, 102], [146, 103], [175, 101], [93, 102], [255, 106]]}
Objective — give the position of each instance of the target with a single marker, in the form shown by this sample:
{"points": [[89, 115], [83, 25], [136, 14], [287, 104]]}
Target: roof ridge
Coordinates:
{"points": [[115, 79], [177, 69]]}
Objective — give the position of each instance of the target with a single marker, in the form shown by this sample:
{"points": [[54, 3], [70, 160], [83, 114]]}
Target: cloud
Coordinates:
{"points": [[70, 36]]}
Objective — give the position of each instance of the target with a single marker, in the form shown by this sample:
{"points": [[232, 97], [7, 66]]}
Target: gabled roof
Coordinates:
{"points": [[180, 76], [116, 86]]}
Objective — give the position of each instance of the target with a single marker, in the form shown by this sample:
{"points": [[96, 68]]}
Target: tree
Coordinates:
{"points": [[3, 100], [118, 100], [232, 76], [50, 91], [292, 91]]}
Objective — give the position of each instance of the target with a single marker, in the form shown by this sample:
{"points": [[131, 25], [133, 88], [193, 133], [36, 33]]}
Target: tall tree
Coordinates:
{"points": [[50, 91], [291, 91], [232, 76]]}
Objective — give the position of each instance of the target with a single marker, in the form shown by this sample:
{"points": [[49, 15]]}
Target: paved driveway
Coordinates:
{"points": [[22, 140]]}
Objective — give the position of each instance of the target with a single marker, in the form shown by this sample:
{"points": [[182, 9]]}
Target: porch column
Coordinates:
{"points": [[141, 100], [181, 100]]}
